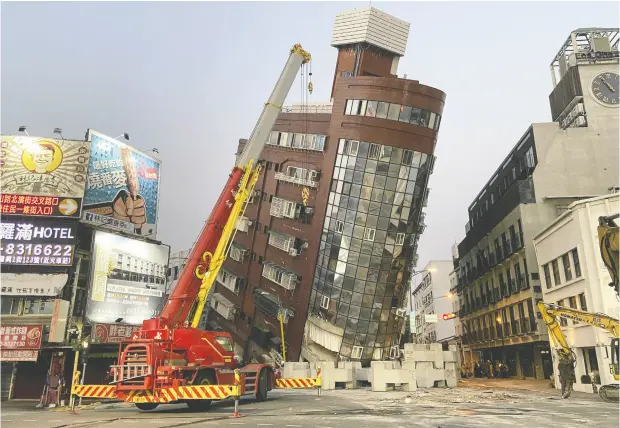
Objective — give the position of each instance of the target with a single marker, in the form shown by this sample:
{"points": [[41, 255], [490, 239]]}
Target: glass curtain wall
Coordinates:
{"points": [[368, 241]]}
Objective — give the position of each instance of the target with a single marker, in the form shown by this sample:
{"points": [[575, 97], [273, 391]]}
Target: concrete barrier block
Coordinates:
{"points": [[296, 370], [436, 347], [411, 376], [438, 375], [452, 348], [449, 356], [421, 347], [377, 376], [438, 358], [423, 356], [451, 374], [362, 374]]}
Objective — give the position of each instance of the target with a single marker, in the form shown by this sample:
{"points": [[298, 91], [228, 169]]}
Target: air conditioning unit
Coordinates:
{"points": [[305, 245], [309, 210], [256, 193], [400, 312], [293, 252], [250, 223]]}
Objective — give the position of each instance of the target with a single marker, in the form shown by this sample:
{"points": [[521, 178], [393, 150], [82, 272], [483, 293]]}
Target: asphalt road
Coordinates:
{"points": [[445, 408]]}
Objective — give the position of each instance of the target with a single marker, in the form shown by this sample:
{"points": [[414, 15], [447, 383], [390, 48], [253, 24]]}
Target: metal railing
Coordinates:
{"points": [[296, 180], [327, 109]]}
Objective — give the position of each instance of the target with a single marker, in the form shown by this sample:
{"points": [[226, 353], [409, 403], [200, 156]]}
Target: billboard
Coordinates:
{"points": [[114, 333], [21, 336], [42, 176], [37, 241], [123, 186], [128, 279], [8, 355]]}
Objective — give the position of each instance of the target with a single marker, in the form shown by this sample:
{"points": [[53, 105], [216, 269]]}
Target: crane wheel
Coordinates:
{"points": [[146, 406], [204, 378], [261, 387]]}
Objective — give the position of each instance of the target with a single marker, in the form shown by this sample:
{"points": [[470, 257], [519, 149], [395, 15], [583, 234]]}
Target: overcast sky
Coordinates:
{"points": [[191, 78]]}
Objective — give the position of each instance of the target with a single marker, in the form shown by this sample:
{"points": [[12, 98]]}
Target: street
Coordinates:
{"points": [[472, 406]]}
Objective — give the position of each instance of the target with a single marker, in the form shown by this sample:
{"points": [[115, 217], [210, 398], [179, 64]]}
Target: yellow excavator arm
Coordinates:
{"points": [[550, 314], [610, 247]]}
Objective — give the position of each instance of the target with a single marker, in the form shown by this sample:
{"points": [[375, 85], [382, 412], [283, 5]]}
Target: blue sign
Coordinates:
{"points": [[123, 185]]}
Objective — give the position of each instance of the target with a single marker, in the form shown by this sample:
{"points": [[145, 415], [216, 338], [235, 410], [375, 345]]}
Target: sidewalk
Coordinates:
{"points": [[535, 385]]}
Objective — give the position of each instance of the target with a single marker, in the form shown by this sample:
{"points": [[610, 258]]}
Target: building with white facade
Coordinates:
{"points": [[175, 267], [574, 276], [552, 165], [432, 299]]}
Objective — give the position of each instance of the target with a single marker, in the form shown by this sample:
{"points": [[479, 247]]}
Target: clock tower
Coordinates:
{"points": [[586, 87]]}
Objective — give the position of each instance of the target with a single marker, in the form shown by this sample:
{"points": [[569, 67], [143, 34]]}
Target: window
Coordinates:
{"points": [[416, 116], [356, 353], [563, 321], [393, 112], [339, 226], [382, 110], [556, 272], [529, 157], [582, 302], [572, 302], [374, 151], [362, 110], [348, 106], [575, 256], [405, 114], [568, 274], [371, 108], [547, 276], [369, 234], [407, 157], [400, 238], [289, 209], [325, 302], [352, 147]]}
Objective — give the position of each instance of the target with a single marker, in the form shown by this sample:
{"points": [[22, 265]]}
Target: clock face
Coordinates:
{"points": [[606, 88]]}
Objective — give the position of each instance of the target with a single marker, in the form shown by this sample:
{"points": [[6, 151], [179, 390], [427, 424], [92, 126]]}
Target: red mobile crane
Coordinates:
{"points": [[170, 359]]}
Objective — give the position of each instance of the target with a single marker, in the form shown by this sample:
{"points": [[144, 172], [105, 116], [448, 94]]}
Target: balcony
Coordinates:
{"points": [[301, 176], [282, 208], [281, 276], [268, 303], [237, 252], [297, 140], [223, 306], [287, 243], [229, 280]]}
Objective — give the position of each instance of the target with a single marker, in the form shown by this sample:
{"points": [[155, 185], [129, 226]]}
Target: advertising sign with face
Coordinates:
{"points": [[123, 186], [42, 176]]}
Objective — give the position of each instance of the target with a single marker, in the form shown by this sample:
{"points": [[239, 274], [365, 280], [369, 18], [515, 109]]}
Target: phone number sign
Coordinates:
{"points": [[37, 242]]}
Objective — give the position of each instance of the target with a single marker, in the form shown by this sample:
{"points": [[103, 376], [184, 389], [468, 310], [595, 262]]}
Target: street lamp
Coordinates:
{"points": [[59, 132], [124, 135], [23, 129]]}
